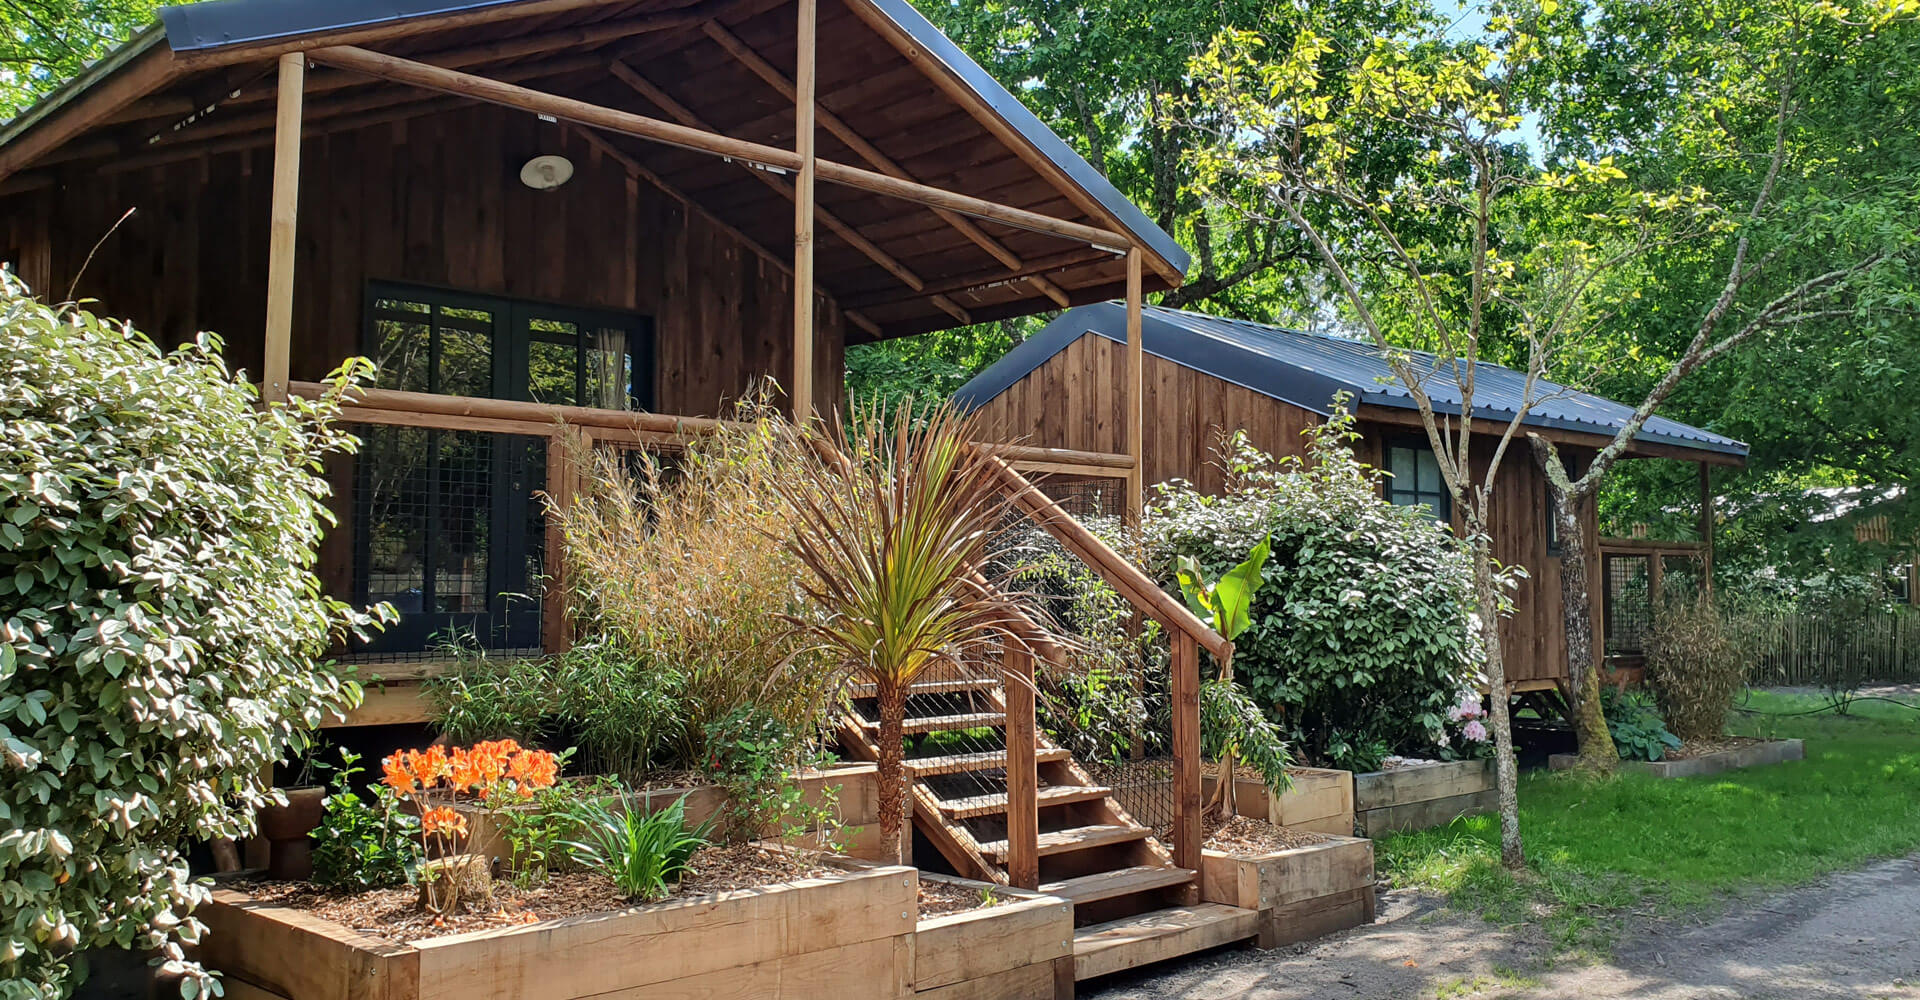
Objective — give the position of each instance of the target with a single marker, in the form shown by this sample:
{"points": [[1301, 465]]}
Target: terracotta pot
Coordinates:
{"points": [[286, 828]]}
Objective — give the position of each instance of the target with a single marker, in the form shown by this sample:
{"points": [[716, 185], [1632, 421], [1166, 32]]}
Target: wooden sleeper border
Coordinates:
{"points": [[851, 935], [1754, 755], [1301, 893], [1421, 796], [1320, 800]]}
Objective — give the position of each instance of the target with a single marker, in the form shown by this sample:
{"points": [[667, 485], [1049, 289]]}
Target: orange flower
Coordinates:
{"points": [[533, 769], [398, 777], [444, 820]]}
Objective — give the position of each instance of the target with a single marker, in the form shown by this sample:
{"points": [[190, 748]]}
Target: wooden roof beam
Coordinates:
{"points": [[989, 278], [480, 88], [665, 102], [766, 71], [963, 95], [639, 170]]}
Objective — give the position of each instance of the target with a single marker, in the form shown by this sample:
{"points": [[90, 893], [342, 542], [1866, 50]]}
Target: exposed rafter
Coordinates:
{"points": [[766, 71]]}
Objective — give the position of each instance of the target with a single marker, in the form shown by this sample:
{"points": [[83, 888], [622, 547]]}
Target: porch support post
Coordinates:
{"points": [[1136, 381], [1023, 781], [1706, 527], [803, 115], [1184, 693], [280, 240]]}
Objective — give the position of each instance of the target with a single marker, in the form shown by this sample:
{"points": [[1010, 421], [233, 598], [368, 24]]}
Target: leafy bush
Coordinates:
{"points": [[363, 844], [162, 627], [537, 831], [683, 592], [1099, 702], [1697, 657], [1231, 724], [755, 758], [1638, 733], [644, 854], [1361, 635]]}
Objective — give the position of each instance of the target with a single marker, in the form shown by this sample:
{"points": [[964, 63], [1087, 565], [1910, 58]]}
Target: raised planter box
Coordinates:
{"points": [[1302, 893], [1420, 796], [851, 935], [1755, 755], [855, 785], [845, 935], [1019, 950], [1320, 801]]}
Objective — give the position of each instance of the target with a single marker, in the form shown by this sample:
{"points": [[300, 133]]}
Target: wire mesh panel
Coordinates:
{"points": [[1628, 603], [447, 529], [1107, 703]]}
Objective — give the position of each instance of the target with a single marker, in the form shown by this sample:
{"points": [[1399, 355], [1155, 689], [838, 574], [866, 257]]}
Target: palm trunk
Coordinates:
{"points": [[1505, 772], [893, 783], [1597, 752]]}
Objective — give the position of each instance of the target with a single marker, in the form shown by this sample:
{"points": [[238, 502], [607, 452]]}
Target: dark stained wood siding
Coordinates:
{"points": [[433, 201], [1074, 401]]}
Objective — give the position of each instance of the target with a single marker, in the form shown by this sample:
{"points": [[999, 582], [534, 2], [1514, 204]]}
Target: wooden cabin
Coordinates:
{"points": [[534, 209], [1206, 376]]}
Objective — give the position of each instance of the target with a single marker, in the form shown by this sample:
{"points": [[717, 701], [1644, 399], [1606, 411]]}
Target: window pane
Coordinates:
{"points": [[1429, 480], [401, 351], [464, 522], [393, 477], [466, 359], [552, 373], [1400, 462], [609, 370]]}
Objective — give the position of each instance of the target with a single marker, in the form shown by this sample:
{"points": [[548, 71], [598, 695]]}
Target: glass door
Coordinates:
{"points": [[447, 526]]}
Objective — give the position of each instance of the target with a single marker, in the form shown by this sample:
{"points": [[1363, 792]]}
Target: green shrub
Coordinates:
{"points": [[1638, 733], [363, 844], [161, 632], [1361, 637], [684, 593], [644, 853], [1697, 658]]}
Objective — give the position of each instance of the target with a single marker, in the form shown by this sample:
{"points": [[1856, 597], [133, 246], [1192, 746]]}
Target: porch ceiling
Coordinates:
{"points": [[894, 96]]}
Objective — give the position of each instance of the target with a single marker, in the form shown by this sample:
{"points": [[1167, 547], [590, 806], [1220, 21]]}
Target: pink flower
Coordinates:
{"points": [[1474, 731]]}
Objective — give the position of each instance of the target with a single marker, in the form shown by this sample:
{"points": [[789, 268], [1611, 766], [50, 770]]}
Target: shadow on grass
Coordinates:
{"points": [[1605, 853]]}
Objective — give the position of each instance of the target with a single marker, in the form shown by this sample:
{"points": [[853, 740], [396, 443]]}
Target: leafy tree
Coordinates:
{"points": [[44, 43], [160, 627]]}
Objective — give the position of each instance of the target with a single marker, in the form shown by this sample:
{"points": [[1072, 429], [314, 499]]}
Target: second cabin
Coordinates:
{"points": [[1206, 376]]}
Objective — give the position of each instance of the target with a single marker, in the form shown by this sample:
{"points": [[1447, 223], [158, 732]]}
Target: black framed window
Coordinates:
{"points": [[447, 526], [1414, 479]]}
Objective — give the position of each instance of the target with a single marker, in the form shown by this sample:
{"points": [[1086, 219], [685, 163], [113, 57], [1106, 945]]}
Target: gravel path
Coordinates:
{"points": [[1851, 935]]}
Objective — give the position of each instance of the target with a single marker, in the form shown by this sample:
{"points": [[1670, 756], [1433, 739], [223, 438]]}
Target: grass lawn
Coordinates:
{"points": [[1601, 852]]}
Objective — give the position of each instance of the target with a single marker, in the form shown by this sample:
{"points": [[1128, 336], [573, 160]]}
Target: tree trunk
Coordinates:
{"points": [[1597, 752], [1506, 773], [893, 783]]}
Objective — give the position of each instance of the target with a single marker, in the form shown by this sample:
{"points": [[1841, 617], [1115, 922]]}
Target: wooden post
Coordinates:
{"points": [[1136, 382], [280, 240], [803, 115], [1706, 527], [1185, 695], [563, 481], [1023, 780]]}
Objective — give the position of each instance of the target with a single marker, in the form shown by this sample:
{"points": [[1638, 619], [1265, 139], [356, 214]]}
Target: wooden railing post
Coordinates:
{"points": [[1185, 695], [563, 479], [281, 245], [1023, 778]]}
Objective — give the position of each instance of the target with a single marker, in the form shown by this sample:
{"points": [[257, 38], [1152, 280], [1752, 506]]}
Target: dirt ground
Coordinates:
{"points": [[1852, 935]]}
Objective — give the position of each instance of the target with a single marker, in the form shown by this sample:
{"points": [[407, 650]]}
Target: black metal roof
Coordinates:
{"points": [[1306, 370], [220, 23]]}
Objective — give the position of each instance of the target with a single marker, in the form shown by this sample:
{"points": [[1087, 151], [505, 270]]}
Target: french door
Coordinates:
{"points": [[446, 524]]}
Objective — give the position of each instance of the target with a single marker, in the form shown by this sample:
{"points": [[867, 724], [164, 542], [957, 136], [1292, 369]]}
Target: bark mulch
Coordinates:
{"points": [[1703, 748], [1241, 835], [396, 915], [939, 898]]}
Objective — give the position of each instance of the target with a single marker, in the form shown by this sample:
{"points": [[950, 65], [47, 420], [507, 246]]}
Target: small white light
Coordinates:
{"points": [[544, 173]]}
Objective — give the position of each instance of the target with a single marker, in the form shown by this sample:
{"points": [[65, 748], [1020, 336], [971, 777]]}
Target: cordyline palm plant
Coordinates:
{"points": [[896, 526]]}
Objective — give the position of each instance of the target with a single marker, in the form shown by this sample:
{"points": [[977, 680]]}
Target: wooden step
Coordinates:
{"points": [[934, 687], [1121, 882], [1119, 945], [1079, 838], [995, 804], [921, 767], [942, 723]]}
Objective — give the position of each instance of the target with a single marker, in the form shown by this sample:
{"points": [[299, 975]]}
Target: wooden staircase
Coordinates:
{"points": [[1001, 802], [1132, 904]]}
